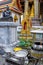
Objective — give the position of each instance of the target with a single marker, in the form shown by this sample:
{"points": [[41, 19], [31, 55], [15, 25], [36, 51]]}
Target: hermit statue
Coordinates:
{"points": [[7, 16], [7, 12]]}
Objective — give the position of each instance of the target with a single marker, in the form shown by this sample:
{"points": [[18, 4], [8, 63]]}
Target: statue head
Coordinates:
{"points": [[7, 7]]}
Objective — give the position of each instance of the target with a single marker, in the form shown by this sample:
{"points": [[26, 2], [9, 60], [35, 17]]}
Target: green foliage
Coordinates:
{"points": [[25, 43]]}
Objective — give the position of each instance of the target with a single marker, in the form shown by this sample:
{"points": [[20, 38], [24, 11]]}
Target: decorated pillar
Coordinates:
{"points": [[36, 7], [36, 20], [26, 5]]}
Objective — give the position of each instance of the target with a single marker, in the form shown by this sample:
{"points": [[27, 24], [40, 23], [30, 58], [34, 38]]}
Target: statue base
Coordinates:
{"points": [[8, 33], [6, 19]]}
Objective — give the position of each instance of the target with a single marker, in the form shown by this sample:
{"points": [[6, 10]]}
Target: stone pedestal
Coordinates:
{"points": [[8, 32]]}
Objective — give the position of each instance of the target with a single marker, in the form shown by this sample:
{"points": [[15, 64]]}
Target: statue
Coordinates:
{"points": [[26, 23], [7, 12]]}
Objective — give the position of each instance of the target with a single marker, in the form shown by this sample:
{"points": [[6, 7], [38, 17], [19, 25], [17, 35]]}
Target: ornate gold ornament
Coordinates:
{"points": [[15, 18]]}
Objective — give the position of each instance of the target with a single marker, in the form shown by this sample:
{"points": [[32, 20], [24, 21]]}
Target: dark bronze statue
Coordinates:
{"points": [[7, 12]]}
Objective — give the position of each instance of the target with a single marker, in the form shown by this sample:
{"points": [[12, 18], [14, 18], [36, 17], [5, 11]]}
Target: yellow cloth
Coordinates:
{"points": [[17, 49]]}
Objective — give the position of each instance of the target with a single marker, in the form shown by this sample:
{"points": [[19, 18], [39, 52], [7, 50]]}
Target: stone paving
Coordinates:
{"points": [[2, 61]]}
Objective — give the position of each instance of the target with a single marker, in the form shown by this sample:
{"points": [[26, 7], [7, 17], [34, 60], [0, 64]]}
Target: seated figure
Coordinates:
{"points": [[7, 12]]}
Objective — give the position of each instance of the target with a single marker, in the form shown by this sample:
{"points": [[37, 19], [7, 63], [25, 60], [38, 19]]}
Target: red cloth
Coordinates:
{"points": [[25, 26]]}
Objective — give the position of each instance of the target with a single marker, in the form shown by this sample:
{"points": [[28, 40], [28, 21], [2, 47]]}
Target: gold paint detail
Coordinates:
{"points": [[15, 18]]}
